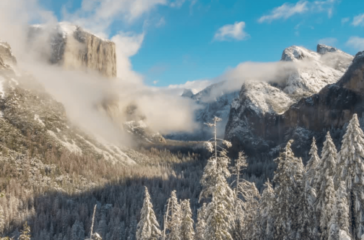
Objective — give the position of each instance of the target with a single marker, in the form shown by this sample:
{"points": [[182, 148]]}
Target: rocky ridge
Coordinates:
{"points": [[311, 72], [328, 110]]}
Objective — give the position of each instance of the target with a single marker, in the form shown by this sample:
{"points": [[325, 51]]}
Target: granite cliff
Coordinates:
{"points": [[75, 48]]}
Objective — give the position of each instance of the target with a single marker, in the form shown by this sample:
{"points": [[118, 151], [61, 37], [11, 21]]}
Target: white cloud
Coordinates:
{"points": [[231, 32], [127, 45], [356, 43], [194, 86], [288, 10], [358, 20], [155, 82], [285, 11], [328, 41]]}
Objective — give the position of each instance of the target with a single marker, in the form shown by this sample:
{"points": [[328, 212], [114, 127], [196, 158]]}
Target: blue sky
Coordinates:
{"points": [[191, 40]]}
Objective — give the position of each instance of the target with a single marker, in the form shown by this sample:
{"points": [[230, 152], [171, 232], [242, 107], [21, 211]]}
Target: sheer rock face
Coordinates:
{"points": [[314, 101], [74, 48], [31, 120]]}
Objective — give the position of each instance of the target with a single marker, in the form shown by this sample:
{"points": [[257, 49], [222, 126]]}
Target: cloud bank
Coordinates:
{"points": [[83, 94]]}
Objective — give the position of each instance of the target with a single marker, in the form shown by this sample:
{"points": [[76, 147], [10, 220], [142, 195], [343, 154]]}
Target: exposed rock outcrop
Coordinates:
{"points": [[75, 48], [258, 126]]}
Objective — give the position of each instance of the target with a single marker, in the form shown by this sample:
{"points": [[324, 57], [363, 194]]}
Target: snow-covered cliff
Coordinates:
{"points": [[75, 48], [255, 121]]}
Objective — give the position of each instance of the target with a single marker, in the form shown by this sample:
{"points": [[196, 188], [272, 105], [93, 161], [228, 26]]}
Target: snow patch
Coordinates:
{"points": [[36, 118], [72, 147], [2, 90]]}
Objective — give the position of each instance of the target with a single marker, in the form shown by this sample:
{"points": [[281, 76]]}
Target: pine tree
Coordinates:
{"points": [[148, 226], [219, 212], [214, 167], [340, 218], [265, 219], [325, 188], [351, 171], [237, 231], [187, 230], [312, 165], [327, 207], [250, 196], [306, 218], [201, 224], [174, 218], [288, 178], [25, 233]]}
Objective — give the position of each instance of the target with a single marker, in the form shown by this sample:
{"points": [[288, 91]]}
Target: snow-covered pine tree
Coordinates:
{"points": [[237, 231], [187, 230], [220, 211], [250, 196], [327, 206], [174, 218], [201, 224], [340, 217], [306, 218], [312, 165], [325, 188], [148, 226], [214, 167], [265, 219], [287, 178], [240, 164], [351, 170]]}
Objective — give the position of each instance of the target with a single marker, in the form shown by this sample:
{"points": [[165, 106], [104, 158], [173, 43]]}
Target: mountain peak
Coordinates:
{"points": [[322, 49], [187, 93], [295, 53]]}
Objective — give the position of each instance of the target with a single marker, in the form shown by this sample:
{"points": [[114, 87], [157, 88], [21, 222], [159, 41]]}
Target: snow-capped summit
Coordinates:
{"points": [[295, 53], [322, 49], [248, 121]]}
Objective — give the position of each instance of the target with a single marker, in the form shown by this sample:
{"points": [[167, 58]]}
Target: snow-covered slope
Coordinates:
{"points": [[252, 115], [31, 117], [309, 72]]}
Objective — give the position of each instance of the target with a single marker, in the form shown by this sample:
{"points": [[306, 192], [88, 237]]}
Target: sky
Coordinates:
{"points": [[189, 43]]}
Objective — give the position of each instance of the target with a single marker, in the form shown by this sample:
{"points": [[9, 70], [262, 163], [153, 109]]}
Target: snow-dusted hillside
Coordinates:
{"points": [[30, 116]]}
